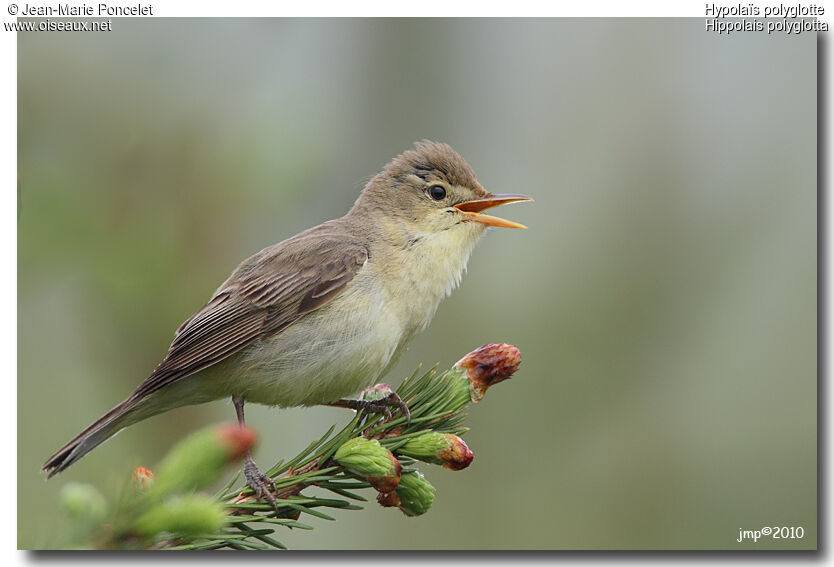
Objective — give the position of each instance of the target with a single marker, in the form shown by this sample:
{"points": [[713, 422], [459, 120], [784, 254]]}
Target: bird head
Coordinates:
{"points": [[431, 189]]}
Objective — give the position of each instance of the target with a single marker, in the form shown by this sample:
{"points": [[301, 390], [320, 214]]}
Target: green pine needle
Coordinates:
{"points": [[436, 401]]}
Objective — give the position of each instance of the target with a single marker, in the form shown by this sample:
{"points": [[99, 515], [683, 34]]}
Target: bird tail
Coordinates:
{"points": [[97, 433]]}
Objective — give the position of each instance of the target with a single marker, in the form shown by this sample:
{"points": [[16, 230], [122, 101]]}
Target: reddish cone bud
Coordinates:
{"points": [[237, 439], [440, 449], [142, 477], [388, 499], [489, 365], [390, 481], [457, 455]]}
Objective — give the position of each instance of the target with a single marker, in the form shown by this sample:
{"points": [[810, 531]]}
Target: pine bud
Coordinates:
{"points": [[388, 499], [369, 459], [142, 478], [487, 366], [415, 493], [199, 459], [439, 449], [83, 503], [189, 515]]}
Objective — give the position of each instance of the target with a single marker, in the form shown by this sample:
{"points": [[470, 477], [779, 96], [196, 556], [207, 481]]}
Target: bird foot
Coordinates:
{"points": [[382, 405], [259, 482]]}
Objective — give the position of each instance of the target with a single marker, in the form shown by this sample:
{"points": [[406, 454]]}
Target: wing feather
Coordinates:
{"points": [[266, 294]]}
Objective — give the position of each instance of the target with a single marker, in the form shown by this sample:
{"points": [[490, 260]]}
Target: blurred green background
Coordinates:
{"points": [[664, 297]]}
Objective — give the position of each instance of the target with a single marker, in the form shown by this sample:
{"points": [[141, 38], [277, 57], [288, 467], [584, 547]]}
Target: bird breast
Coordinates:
{"points": [[425, 269], [349, 343]]}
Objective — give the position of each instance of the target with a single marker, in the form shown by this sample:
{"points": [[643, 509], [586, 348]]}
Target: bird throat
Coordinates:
{"points": [[429, 266]]}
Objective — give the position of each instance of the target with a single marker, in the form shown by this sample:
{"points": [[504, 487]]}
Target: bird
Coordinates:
{"points": [[315, 318]]}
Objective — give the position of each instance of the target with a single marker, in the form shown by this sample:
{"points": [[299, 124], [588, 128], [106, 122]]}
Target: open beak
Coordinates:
{"points": [[472, 209]]}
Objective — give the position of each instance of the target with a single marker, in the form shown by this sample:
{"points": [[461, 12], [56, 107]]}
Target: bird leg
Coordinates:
{"points": [[258, 481], [382, 406]]}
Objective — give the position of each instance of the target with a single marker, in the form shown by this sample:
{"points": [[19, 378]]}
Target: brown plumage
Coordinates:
{"points": [[263, 295], [324, 313]]}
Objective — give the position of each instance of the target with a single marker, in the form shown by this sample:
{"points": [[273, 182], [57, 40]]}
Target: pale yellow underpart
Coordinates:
{"points": [[349, 343]]}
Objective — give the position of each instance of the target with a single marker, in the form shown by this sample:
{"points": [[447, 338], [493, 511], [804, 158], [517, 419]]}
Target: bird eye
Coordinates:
{"points": [[437, 192]]}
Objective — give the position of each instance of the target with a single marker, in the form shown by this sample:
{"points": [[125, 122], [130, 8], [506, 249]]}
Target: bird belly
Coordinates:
{"points": [[328, 354], [349, 343]]}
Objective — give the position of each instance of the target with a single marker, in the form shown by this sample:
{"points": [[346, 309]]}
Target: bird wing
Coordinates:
{"points": [[263, 296]]}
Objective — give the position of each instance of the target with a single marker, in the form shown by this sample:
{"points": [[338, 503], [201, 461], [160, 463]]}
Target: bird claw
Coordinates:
{"points": [[259, 482], [394, 400], [384, 406]]}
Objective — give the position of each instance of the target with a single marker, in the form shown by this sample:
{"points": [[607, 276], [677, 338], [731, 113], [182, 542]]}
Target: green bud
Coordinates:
{"points": [[459, 387], [199, 459], [82, 502], [439, 449], [188, 515], [369, 459], [416, 494]]}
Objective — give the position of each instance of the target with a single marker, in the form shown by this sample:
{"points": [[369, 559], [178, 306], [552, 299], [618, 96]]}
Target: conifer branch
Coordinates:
{"points": [[165, 511]]}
